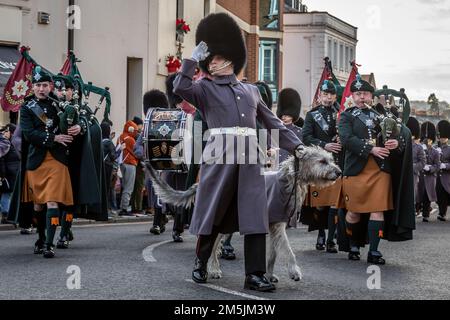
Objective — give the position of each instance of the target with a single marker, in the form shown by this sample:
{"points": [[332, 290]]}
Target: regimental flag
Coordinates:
{"points": [[19, 85], [347, 101], [327, 74], [70, 66]]}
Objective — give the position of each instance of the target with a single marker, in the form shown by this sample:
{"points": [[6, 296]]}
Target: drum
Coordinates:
{"points": [[166, 145]]}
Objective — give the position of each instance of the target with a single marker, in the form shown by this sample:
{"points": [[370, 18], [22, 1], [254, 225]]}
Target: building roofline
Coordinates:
{"points": [[326, 12]]}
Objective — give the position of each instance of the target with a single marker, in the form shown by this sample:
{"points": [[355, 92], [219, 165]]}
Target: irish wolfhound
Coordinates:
{"points": [[286, 190]]}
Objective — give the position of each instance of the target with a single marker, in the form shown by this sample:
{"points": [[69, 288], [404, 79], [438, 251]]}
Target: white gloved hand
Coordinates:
{"points": [[427, 167], [200, 52], [443, 166]]}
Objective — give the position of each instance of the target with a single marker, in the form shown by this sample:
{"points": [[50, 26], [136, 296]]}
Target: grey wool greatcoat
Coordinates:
{"points": [[230, 192], [419, 162], [444, 174], [427, 182]]}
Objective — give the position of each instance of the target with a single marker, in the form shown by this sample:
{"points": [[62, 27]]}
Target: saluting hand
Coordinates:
{"points": [[63, 139], [381, 153]]}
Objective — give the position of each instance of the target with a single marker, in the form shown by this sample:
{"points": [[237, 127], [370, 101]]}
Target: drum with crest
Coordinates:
{"points": [[167, 145]]}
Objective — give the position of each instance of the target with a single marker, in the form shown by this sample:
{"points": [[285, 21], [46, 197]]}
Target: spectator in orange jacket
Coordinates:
{"points": [[128, 163]]}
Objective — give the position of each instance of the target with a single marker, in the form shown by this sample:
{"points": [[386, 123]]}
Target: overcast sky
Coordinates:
{"points": [[406, 43]]}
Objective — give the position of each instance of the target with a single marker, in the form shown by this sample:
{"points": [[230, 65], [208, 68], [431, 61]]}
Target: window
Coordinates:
{"points": [[269, 14], [207, 7], [335, 56], [268, 65], [347, 59], [180, 9], [330, 49], [341, 57]]}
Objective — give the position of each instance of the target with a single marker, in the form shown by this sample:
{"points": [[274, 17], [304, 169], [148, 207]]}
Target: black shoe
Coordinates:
{"points": [[331, 248], [177, 238], [163, 229], [354, 255], [155, 230], [441, 218], [200, 272], [39, 247], [425, 219], [4, 220], [26, 231], [49, 252], [228, 254], [375, 258], [62, 243], [125, 213], [258, 283]]}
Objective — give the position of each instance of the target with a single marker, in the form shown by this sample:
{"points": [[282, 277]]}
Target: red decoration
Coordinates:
{"points": [[19, 85], [182, 26], [347, 101], [173, 64]]}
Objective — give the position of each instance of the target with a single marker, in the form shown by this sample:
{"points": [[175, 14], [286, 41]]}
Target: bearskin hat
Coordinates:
{"points": [[289, 104], [444, 129], [155, 99], [428, 131], [174, 99], [266, 93], [414, 126], [223, 37]]}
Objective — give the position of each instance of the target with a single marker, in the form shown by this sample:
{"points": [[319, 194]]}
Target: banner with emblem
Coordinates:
{"points": [[327, 74], [347, 101], [19, 84]]}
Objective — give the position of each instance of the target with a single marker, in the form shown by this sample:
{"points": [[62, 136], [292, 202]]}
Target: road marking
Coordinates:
{"points": [[147, 253], [228, 291]]}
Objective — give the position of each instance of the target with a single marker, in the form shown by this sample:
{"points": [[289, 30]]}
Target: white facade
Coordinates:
{"points": [[122, 44], [308, 39]]}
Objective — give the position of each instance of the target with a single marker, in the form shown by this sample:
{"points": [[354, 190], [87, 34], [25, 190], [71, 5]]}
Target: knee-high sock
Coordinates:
{"points": [[375, 229], [332, 222], [158, 217], [52, 224], [352, 233], [40, 224], [66, 224]]}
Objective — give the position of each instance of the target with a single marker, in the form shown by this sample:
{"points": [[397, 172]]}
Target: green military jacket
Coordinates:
{"points": [[359, 133], [40, 134]]}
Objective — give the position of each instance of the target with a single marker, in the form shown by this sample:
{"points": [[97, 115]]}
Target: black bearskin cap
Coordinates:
{"points": [[289, 104], [266, 93], [223, 37], [414, 126], [155, 99], [174, 99], [444, 129], [428, 131]]}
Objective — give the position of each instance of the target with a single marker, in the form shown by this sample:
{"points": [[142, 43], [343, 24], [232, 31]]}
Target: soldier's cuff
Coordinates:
{"points": [[188, 68], [366, 149], [49, 140]]}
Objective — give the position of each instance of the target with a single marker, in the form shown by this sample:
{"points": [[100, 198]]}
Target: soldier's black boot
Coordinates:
{"points": [[354, 254], [176, 236], [62, 243], [49, 252], [200, 272], [375, 257], [320, 245], [39, 247], [227, 249], [156, 229], [441, 218], [258, 283]]}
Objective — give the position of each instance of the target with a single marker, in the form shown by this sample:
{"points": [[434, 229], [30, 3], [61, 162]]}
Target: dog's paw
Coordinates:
{"points": [[295, 273], [273, 279], [215, 275]]}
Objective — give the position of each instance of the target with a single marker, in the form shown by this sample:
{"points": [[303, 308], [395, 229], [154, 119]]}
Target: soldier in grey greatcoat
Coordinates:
{"points": [[231, 197], [443, 179], [427, 181]]}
